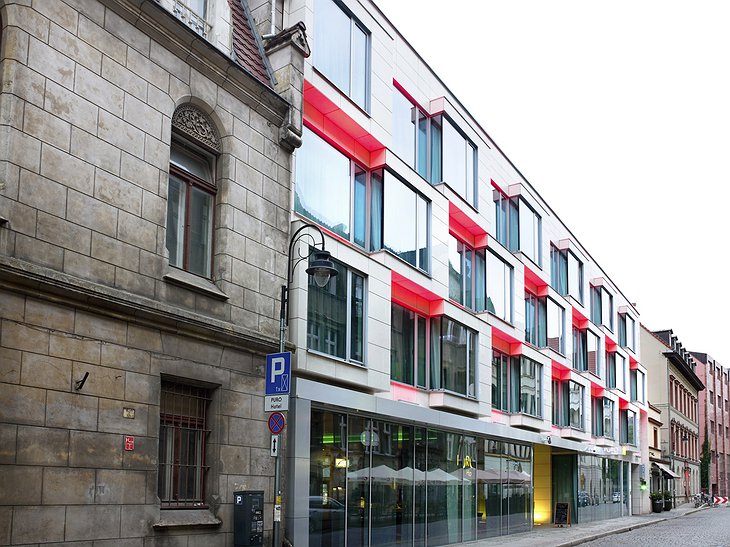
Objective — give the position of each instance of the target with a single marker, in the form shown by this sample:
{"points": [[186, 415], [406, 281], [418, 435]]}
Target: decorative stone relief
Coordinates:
{"points": [[197, 125]]}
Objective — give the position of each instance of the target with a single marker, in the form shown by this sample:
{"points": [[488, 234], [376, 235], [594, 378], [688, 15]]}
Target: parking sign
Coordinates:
{"points": [[278, 373]]}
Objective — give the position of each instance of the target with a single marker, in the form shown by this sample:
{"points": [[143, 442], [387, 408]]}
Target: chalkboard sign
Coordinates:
{"points": [[562, 514]]}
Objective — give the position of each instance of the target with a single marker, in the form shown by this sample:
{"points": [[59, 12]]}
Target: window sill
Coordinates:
{"points": [[194, 283], [175, 518], [337, 359]]}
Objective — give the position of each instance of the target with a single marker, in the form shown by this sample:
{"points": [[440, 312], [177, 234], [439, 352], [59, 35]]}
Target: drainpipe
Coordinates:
{"points": [[272, 28]]}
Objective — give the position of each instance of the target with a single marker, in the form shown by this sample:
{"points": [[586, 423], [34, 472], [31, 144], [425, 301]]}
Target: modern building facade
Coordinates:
{"points": [[471, 365], [145, 162], [714, 421], [674, 389]]}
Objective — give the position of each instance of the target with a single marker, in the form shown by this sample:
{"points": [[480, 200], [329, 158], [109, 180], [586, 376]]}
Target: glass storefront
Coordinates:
{"points": [[600, 494], [381, 483]]}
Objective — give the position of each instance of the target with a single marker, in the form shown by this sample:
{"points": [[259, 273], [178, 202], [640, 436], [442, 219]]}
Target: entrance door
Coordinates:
{"points": [[564, 472]]}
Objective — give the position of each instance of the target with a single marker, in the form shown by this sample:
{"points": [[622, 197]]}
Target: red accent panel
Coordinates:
{"points": [[580, 321], [597, 390], [498, 188], [332, 123], [404, 392], [506, 342], [610, 345], [560, 372], [414, 296], [465, 228], [633, 363], [623, 404], [535, 283]]}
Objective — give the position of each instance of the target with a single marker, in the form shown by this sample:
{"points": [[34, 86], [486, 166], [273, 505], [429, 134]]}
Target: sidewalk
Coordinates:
{"points": [[581, 533]]}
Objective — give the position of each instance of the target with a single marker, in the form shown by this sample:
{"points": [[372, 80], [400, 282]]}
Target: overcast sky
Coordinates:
{"points": [[618, 113]]}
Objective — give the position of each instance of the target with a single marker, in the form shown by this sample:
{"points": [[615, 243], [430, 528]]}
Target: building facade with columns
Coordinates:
{"points": [[675, 388], [145, 163]]}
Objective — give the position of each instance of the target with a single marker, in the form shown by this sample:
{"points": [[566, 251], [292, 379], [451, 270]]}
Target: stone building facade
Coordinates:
{"points": [[144, 221]]}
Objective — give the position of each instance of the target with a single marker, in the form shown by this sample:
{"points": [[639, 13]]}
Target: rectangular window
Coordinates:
{"points": [[530, 230], [335, 315], [568, 404], [626, 331], [519, 227], [603, 417], [406, 223], [467, 275], [411, 134], [458, 163], [575, 277], [499, 287], [607, 313], [627, 427], [453, 357], [580, 349], [183, 436], [559, 270], [596, 306], [576, 396], [637, 385], [555, 327], [536, 320], [408, 343], [595, 363], [348, 65], [610, 370], [516, 384]]}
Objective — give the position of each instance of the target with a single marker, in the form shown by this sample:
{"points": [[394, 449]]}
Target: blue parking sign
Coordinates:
{"points": [[278, 373]]}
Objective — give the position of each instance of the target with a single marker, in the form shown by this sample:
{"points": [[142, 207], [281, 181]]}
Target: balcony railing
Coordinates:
{"points": [[196, 22]]}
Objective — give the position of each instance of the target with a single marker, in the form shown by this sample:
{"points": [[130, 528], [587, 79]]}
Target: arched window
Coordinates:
{"points": [[191, 191]]}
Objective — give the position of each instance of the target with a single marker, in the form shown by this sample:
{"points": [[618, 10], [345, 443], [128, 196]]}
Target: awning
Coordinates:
{"points": [[668, 473]]}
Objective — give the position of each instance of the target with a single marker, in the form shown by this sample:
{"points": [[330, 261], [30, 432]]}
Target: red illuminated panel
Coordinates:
{"points": [[580, 321], [536, 284], [403, 392], [414, 296], [506, 342], [337, 127], [465, 228]]}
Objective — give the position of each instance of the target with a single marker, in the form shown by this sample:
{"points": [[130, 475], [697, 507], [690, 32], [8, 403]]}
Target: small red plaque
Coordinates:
{"points": [[128, 442]]}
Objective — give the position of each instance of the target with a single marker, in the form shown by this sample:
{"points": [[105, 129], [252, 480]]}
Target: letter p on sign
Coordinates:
{"points": [[278, 372]]}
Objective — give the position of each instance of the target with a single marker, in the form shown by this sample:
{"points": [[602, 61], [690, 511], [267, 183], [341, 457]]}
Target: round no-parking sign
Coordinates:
{"points": [[276, 423]]}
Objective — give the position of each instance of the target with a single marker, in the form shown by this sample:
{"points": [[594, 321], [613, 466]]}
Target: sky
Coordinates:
{"points": [[618, 114]]}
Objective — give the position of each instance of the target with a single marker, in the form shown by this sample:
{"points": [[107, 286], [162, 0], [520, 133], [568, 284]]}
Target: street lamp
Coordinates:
{"points": [[322, 270]]}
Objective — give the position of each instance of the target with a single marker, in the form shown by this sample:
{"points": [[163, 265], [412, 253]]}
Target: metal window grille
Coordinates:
{"points": [[183, 436]]}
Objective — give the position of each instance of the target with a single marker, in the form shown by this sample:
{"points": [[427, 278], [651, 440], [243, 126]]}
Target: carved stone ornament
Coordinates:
{"points": [[193, 123]]}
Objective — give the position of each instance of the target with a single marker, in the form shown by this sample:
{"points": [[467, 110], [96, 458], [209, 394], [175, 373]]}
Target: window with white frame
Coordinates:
{"points": [[408, 346], [580, 349], [555, 326], [626, 331], [536, 320], [602, 307], [516, 384], [638, 389], [499, 287], [342, 50], [410, 133], [467, 275], [595, 356], [336, 315], [458, 161]]}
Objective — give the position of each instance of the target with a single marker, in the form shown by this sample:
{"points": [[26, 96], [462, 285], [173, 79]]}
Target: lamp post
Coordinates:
{"points": [[321, 269]]}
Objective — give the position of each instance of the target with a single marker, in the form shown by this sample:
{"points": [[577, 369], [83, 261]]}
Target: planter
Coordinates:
{"points": [[668, 505], [657, 506]]}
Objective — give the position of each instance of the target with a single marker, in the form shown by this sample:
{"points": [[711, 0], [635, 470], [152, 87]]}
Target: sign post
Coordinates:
{"points": [[276, 398]]}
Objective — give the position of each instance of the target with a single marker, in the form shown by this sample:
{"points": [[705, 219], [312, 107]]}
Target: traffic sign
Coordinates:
{"points": [[276, 402], [274, 445], [278, 373], [276, 422], [720, 500]]}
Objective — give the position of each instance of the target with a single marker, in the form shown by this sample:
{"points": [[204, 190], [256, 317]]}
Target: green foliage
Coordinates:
{"points": [[705, 463], [656, 496]]}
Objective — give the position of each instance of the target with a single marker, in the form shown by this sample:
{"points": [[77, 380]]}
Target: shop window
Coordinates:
{"points": [[467, 275], [335, 315], [182, 446]]}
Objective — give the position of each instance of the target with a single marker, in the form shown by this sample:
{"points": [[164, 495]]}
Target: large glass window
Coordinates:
{"points": [[602, 417], [459, 162], [408, 342], [580, 349], [516, 384], [559, 270], [555, 327], [568, 404], [536, 320], [530, 233], [410, 133], [406, 223], [610, 369], [627, 426], [338, 194], [454, 358], [335, 315], [182, 447], [602, 307], [190, 202], [637, 385], [595, 357], [499, 287], [467, 275], [519, 227], [575, 277], [627, 331], [348, 65]]}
